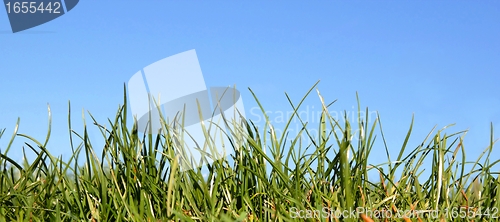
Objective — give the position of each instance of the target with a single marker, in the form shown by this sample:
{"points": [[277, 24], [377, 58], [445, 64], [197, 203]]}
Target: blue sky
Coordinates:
{"points": [[438, 60]]}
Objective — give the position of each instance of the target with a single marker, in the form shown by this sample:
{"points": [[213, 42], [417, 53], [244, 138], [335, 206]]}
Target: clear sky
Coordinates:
{"points": [[438, 60]]}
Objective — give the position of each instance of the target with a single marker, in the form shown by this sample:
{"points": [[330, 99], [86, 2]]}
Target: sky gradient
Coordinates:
{"points": [[436, 60]]}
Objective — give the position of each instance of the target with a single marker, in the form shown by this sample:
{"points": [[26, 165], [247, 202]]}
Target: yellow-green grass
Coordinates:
{"points": [[270, 178]]}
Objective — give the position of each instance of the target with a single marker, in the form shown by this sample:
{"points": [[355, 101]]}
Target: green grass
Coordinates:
{"points": [[272, 178]]}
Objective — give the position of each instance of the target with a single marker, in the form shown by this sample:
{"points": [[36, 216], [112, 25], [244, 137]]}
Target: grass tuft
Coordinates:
{"points": [[271, 176]]}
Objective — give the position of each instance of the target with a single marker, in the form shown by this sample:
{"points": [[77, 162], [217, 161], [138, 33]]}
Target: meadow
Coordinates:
{"points": [[272, 176]]}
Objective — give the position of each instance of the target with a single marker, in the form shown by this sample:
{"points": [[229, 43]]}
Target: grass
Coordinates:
{"points": [[271, 178]]}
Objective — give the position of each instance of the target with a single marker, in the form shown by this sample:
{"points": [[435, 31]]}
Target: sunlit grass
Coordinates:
{"points": [[271, 177]]}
